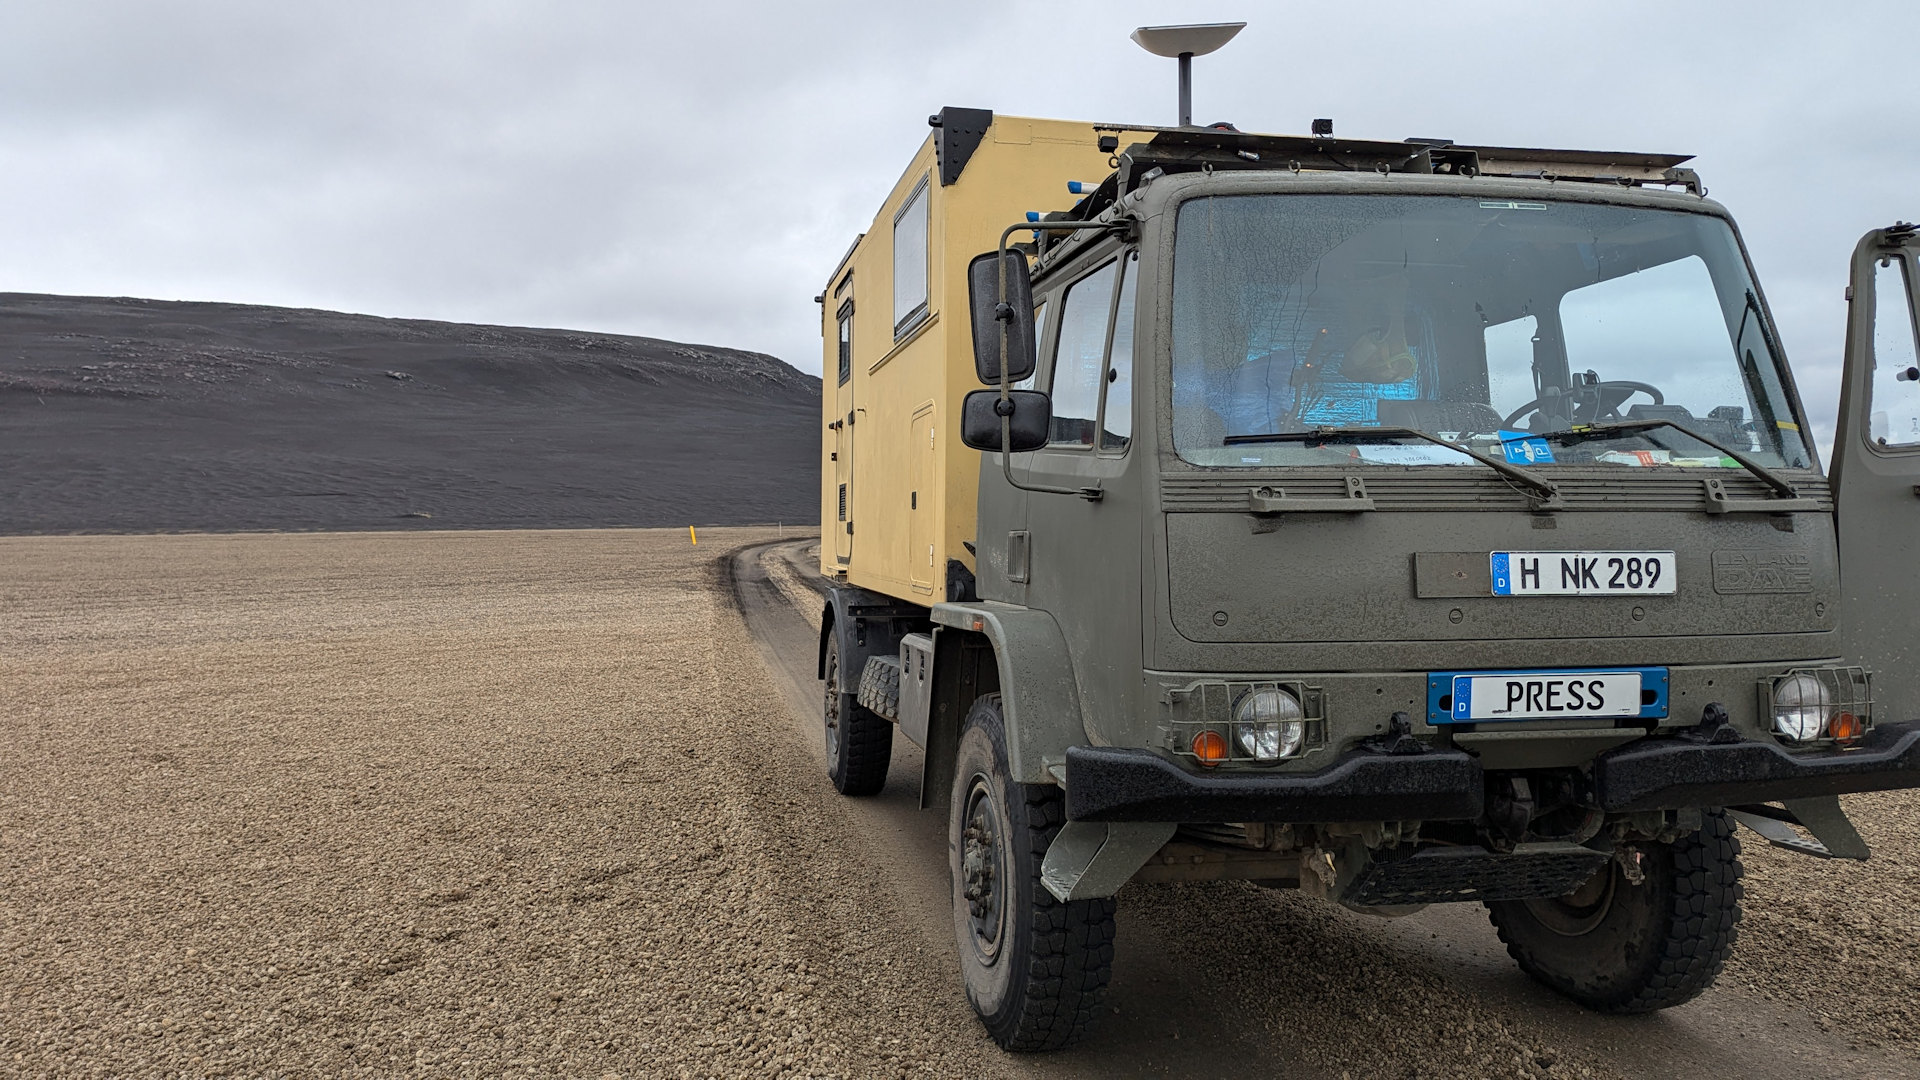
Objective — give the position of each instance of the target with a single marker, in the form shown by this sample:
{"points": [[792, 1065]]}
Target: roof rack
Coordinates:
{"points": [[1178, 150]]}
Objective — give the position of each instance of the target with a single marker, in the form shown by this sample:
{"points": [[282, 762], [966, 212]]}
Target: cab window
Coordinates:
{"points": [[1893, 410], [1039, 338], [1079, 365], [1116, 417]]}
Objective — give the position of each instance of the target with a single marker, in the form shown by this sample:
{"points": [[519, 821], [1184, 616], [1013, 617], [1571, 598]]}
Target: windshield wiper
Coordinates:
{"points": [[1544, 490], [1780, 484]]}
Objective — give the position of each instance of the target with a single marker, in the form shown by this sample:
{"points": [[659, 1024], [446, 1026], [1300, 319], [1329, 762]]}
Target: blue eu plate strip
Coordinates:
{"points": [[1443, 709]]}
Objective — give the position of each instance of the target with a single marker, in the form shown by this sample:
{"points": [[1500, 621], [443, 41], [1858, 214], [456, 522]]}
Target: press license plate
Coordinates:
{"points": [[1544, 695], [1582, 573]]}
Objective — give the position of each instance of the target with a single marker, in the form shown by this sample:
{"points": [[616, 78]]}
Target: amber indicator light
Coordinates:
{"points": [[1210, 747]]}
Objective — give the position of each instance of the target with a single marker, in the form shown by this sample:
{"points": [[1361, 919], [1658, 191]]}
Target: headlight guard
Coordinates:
{"points": [[1818, 705]]}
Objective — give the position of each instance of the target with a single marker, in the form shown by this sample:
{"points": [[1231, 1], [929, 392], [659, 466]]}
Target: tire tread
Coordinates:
{"points": [[1069, 946], [866, 745], [1701, 927]]}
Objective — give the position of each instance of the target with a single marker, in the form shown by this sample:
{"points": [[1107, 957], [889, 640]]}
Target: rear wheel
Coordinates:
{"points": [[1035, 968], [859, 740], [1622, 946]]}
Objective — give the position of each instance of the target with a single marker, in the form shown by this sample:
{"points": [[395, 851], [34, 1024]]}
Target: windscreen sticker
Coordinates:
{"points": [[1410, 455], [1524, 449]]}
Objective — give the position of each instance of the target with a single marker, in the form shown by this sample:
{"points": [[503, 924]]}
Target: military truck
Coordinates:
{"points": [[1402, 522]]}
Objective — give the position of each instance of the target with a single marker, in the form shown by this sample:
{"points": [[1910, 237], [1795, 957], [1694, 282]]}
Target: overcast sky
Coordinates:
{"points": [[694, 170]]}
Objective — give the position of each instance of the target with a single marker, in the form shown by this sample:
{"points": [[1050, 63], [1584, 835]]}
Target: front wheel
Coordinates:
{"points": [[1622, 946], [1035, 968]]}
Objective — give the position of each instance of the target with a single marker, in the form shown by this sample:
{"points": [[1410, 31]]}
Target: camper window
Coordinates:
{"points": [[910, 263], [846, 342]]}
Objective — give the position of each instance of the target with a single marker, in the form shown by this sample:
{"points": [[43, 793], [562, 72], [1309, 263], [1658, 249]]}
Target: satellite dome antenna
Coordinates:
{"points": [[1184, 43]]}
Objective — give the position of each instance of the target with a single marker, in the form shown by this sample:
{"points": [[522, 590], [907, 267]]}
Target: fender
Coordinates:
{"points": [[1039, 695], [868, 624]]}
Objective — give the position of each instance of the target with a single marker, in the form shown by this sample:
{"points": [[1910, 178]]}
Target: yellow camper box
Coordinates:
{"points": [[898, 497]]}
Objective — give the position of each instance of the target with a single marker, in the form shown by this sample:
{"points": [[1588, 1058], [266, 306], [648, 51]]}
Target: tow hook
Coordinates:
{"points": [[1397, 739], [1715, 726]]}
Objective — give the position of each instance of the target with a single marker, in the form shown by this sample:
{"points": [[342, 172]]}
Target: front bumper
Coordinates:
{"points": [[1673, 773], [1107, 783]]}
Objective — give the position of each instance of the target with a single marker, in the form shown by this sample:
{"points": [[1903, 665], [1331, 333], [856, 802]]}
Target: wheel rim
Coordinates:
{"points": [[1579, 911], [831, 711], [981, 867]]}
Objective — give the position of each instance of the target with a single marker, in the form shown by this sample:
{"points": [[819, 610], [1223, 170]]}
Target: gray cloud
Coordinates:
{"points": [[693, 171]]}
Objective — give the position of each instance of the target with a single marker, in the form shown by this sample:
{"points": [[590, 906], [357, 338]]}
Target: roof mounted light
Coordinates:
{"points": [[1184, 43]]}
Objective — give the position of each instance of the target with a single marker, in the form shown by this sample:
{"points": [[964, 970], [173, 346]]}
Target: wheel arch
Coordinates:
{"points": [[1033, 673], [868, 624]]}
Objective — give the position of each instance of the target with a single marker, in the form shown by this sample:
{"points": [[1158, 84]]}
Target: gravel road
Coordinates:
{"points": [[538, 803]]}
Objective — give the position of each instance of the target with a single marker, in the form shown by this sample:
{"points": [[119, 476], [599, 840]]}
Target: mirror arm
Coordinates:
{"points": [[1003, 313]]}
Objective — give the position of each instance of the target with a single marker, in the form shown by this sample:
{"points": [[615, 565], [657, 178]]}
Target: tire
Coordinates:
{"points": [[1035, 969], [859, 741], [1624, 948]]}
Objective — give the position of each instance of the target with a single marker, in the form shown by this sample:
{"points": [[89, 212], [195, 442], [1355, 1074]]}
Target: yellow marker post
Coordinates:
{"points": [[691, 536]]}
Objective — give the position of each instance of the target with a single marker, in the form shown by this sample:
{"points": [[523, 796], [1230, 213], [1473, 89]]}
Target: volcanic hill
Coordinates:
{"points": [[122, 415]]}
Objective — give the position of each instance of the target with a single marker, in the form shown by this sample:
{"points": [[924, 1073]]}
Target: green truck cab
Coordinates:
{"points": [[1405, 523]]}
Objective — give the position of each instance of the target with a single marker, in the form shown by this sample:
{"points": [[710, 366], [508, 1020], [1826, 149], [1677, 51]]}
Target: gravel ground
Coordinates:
{"points": [[1840, 939], [458, 803], [516, 804]]}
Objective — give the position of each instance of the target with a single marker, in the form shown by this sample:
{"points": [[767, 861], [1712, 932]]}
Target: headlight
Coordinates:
{"points": [[1800, 705], [1269, 724]]}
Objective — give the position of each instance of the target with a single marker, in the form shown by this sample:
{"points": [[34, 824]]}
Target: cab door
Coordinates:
{"points": [[1085, 553], [1876, 470]]}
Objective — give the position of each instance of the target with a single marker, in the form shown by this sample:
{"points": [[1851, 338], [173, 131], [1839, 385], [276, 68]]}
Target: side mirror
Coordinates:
{"points": [[989, 317], [980, 420]]}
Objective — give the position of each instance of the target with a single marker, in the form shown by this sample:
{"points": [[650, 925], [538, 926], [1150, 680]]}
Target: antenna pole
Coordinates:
{"points": [[1183, 43], [1186, 89]]}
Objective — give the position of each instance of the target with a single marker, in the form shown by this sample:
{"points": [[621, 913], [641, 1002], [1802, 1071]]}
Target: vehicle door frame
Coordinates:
{"points": [[1877, 492], [1086, 558]]}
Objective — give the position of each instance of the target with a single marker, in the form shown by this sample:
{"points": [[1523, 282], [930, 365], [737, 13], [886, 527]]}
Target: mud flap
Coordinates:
{"points": [[1093, 859], [1834, 837]]}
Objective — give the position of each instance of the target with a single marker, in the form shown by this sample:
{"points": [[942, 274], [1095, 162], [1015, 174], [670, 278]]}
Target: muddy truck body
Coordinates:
{"points": [[1403, 522]]}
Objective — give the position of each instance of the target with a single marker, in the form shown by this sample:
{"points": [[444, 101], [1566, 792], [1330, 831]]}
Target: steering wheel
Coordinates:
{"points": [[1593, 401]]}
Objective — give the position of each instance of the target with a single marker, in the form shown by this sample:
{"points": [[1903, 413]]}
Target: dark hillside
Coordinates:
{"points": [[135, 415]]}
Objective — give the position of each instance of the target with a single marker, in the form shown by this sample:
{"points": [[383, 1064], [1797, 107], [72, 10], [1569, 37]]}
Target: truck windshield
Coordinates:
{"points": [[1508, 327]]}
